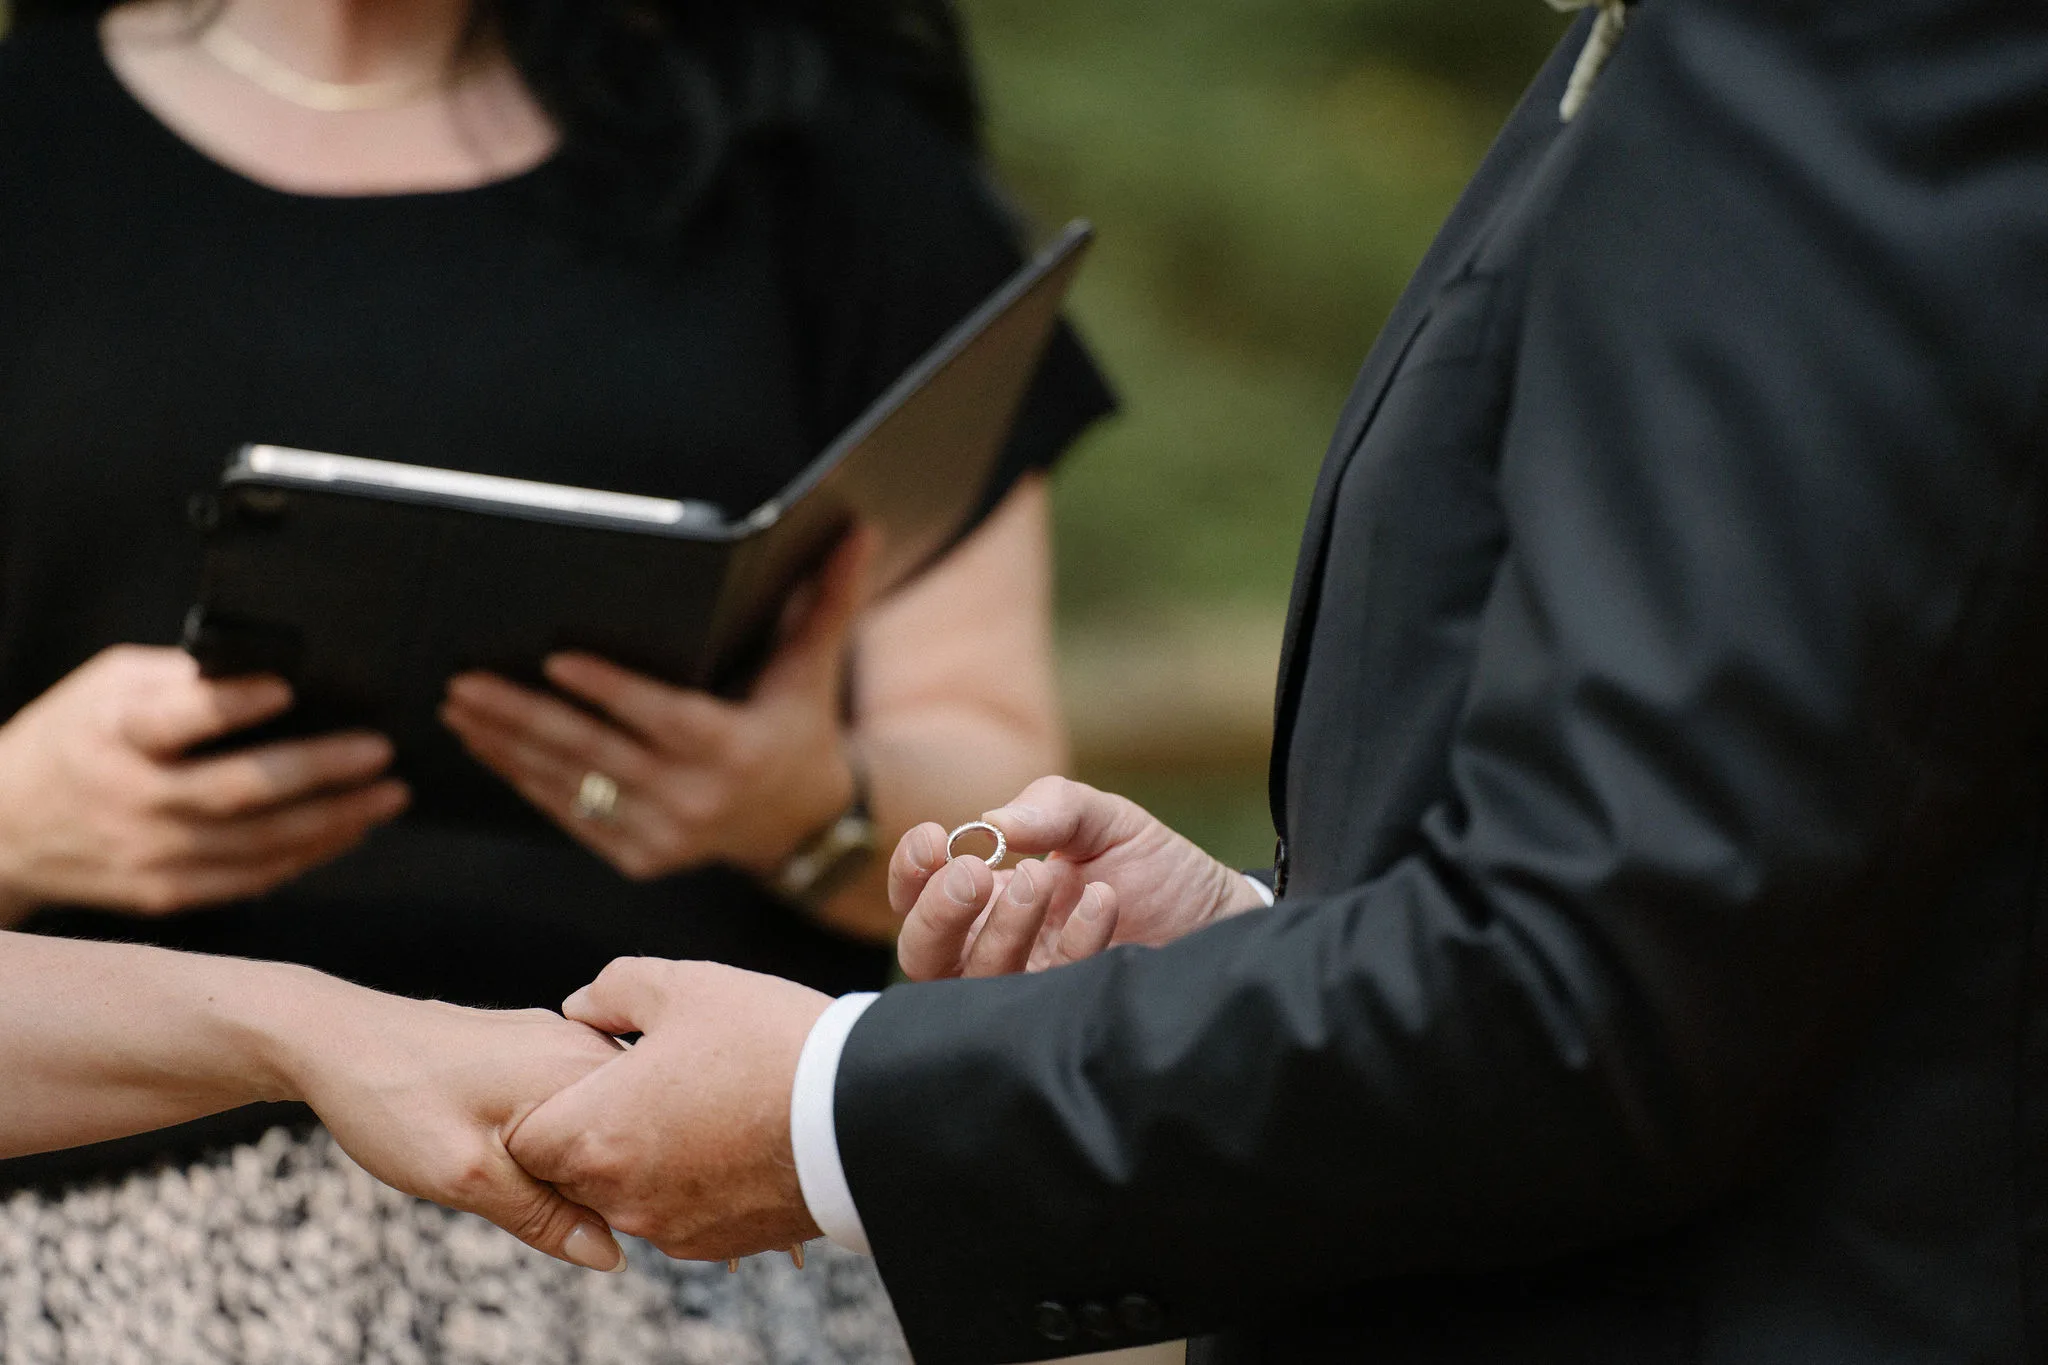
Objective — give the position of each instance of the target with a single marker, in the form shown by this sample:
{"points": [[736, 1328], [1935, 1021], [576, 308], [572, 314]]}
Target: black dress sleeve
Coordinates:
{"points": [[900, 235]]}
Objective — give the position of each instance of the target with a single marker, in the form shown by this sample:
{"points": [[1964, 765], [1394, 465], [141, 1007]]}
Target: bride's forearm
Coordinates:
{"points": [[99, 1040]]}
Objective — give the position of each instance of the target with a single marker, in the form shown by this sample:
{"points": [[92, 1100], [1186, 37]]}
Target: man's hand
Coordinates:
{"points": [[685, 1139], [1108, 873]]}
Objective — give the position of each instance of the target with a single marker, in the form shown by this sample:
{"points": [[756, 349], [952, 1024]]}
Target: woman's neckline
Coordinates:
{"points": [[138, 107]]}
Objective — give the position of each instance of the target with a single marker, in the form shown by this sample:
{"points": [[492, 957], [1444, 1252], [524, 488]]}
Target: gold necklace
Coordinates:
{"points": [[273, 77]]}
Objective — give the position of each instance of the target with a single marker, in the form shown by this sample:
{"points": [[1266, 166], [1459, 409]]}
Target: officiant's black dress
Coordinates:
{"points": [[157, 310]]}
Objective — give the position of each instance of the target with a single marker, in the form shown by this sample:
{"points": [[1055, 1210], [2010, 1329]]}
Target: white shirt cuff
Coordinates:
{"points": [[1265, 891], [813, 1131]]}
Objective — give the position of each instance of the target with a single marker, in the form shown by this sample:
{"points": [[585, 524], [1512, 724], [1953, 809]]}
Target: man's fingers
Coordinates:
{"points": [[1089, 928], [183, 709], [918, 855], [1072, 819], [275, 774], [934, 938], [1004, 943], [627, 997]]}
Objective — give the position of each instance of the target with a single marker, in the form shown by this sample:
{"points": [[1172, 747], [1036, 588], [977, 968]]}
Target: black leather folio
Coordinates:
{"points": [[368, 584]]}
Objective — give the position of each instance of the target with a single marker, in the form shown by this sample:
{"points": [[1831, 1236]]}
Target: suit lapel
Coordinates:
{"points": [[1528, 133]]}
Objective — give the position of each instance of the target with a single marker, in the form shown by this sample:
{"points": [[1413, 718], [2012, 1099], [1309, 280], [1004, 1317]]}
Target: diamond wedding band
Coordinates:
{"points": [[597, 798], [1002, 844]]}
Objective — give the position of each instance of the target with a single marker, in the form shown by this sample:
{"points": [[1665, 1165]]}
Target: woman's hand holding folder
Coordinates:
{"points": [[699, 780], [101, 805]]}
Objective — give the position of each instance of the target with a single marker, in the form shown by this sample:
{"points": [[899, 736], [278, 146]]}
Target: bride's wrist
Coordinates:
{"points": [[282, 1021], [17, 902], [15, 906]]}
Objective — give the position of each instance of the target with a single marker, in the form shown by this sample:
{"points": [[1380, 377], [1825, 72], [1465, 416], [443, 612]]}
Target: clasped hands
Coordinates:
{"points": [[684, 1139]]}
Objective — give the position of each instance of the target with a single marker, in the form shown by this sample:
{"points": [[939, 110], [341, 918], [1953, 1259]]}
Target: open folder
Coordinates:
{"points": [[367, 584]]}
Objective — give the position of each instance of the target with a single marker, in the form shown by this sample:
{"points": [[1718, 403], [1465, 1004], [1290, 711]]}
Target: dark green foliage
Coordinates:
{"points": [[1265, 173]]}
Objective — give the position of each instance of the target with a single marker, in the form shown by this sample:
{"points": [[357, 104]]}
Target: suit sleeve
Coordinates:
{"points": [[1766, 637]]}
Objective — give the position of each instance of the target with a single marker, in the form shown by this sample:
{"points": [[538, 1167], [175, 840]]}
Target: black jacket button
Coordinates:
{"points": [[1053, 1321], [1141, 1316], [1100, 1322]]}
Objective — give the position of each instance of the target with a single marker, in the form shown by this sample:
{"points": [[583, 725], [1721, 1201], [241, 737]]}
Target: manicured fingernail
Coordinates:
{"points": [[960, 883], [1023, 890], [593, 1248], [1089, 909], [931, 848]]}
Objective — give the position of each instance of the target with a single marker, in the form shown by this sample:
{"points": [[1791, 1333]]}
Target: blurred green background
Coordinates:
{"points": [[1264, 175]]}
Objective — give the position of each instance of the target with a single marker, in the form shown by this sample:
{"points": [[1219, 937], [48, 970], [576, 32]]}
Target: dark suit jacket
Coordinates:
{"points": [[1663, 975]]}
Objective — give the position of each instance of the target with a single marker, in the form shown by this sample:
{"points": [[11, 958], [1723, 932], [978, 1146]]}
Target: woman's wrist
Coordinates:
{"points": [[17, 901], [15, 906], [277, 1022]]}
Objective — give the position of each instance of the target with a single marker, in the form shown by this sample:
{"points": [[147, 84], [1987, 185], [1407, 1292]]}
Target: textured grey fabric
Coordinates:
{"points": [[284, 1252]]}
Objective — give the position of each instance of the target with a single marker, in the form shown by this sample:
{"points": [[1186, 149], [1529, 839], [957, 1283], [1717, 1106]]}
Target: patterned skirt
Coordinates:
{"points": [[284, 1252]]}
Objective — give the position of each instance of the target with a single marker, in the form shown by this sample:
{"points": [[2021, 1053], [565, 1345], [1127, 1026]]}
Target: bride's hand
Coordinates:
{"points": [[698, 780], [422, 1096]]}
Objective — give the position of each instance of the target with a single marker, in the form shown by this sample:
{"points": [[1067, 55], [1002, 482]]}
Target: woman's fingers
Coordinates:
{"points": [[672, 719], [302, 829], [1004, 942], [811, 657], [274, 775], [629, 839], [933, 943], [542, 1218], [190, 883], [537, 723], [165, 707]]}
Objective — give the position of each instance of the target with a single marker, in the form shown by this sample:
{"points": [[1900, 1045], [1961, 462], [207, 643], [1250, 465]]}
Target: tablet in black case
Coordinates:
{"points": [[368, 584]]}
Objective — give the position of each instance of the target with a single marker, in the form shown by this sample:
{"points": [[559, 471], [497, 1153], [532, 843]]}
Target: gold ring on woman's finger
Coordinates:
{"points": [[597, 798], [1002, 845]]}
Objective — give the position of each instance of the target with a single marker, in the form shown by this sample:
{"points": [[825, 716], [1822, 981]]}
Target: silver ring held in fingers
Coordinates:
{"points": [[1002, 845], [597, 798]]}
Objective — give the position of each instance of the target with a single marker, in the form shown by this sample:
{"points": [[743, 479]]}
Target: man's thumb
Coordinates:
{"points": [[625, 998]]}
